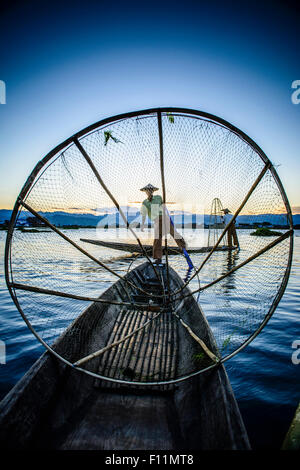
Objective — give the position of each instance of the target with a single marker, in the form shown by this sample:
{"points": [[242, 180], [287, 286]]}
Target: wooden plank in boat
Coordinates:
{"points": [[151, 360]]}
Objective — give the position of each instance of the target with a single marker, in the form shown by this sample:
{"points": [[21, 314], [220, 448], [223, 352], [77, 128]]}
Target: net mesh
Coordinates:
{"points": [[207, 167]]}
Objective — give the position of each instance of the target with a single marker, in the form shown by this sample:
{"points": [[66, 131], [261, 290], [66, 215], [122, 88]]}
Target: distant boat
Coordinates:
{"points": [[135, 248]]}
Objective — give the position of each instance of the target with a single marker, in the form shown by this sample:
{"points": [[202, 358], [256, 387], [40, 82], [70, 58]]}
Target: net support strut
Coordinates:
{"points": [[162, 173], [112, 345], [255, 184], [98, 177], [39, 290], [248, 260], [209, 353], [62, 235]]}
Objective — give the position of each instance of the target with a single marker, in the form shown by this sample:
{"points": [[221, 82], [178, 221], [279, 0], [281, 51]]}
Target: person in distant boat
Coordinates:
{"points": [[154, 208], [231, 233]]}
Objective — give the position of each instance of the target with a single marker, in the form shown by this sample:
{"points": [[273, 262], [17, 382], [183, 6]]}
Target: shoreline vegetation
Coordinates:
{"points": [[265, 232]]}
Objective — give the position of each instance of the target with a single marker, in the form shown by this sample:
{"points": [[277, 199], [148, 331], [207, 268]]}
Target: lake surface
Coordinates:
{"points": [[265, 381]]}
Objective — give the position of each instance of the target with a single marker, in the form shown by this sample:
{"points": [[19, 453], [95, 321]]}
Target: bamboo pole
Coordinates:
{"points": [[162, 173], [248, 260], [106, 348], [39, 290], [62, 235], [199, 341], [100, 180]]}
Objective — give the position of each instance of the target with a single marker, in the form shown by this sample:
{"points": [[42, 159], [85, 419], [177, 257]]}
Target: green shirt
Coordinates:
{"points": [[152, 208]]}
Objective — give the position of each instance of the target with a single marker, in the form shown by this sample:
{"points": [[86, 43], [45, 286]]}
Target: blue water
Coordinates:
{"points": [[265, 381]]}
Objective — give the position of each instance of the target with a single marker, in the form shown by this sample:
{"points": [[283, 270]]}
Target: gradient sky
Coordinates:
{"points": [[69, 64]]}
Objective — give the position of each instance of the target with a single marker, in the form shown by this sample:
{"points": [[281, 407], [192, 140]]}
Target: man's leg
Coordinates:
{"points": [[157, 244], [229, 237], [177, 237], [235, 237]]}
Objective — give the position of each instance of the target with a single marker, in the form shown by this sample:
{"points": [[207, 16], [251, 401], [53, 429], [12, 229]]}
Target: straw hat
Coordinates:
{"points": [[226, 210], [149, 187]]}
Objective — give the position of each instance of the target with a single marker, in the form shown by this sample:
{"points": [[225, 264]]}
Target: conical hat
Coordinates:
{"points": [[226, 210], [149, 187]]}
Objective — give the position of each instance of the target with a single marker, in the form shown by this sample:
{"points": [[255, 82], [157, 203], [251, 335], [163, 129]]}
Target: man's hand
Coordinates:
{"points": [[142, 228]]}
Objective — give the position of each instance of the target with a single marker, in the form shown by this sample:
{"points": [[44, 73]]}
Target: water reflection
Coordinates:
{"points": [[44, 262], [262, 375], [230, 262], [87, 267]]}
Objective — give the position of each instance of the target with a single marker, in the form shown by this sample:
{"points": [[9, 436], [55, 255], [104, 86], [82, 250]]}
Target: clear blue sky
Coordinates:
{"points": [[69, 64]]}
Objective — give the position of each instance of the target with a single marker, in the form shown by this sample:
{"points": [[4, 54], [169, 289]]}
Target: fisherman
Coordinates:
{"points": [[231, 233], [154, 208]]}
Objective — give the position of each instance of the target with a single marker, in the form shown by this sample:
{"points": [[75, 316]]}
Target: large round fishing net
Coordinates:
{"points": [[76, 231]]}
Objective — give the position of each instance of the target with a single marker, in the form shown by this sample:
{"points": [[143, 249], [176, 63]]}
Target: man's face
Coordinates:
{"points": [[149, 193]]}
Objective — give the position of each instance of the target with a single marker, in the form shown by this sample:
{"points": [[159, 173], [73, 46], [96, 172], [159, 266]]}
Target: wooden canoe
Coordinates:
{"points": [[135, 248], [55, 406]]}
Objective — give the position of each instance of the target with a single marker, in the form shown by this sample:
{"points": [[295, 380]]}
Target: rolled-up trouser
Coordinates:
{"points": [[163, 226]]}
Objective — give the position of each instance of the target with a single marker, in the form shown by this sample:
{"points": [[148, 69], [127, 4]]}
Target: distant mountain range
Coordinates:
{"points": [[60, 218]]}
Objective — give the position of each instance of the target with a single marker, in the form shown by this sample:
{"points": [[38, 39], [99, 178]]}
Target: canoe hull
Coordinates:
{"points": [[55, 406], [135, 248]]}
